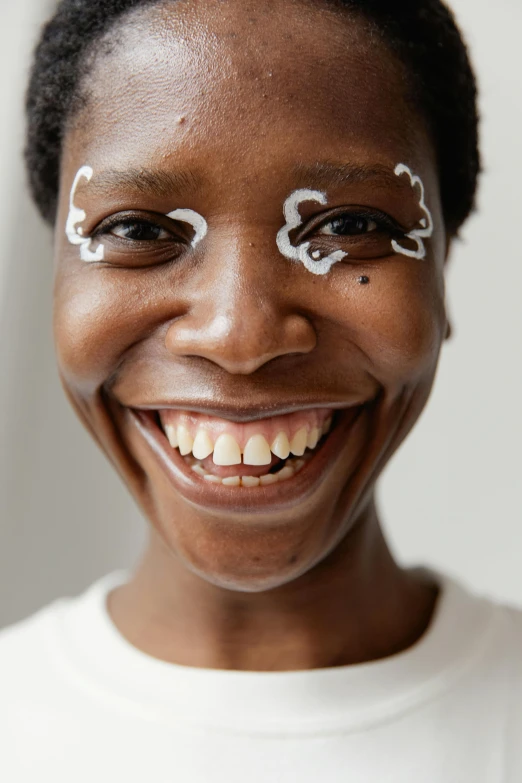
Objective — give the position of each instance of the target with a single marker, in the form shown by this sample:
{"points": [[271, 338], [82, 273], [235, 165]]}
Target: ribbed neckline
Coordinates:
{"points": [[99, 660]]}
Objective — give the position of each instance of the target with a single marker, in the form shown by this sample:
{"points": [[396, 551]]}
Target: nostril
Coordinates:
{"points": [[241, 336]]}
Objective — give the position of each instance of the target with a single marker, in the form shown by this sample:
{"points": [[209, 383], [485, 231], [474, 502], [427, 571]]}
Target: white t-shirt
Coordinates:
{"points": [[80, 704]]}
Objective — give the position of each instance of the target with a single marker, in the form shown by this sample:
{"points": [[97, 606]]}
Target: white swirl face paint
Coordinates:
{"points": [[312, 261], [194, 219], [76, 216], [418, 235]]}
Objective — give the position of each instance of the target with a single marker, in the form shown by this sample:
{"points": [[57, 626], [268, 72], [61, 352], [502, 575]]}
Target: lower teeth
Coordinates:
{"points": [[291, 467]]}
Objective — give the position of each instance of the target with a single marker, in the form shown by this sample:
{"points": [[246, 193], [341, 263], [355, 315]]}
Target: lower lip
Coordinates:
{"points": [[261, 499]]}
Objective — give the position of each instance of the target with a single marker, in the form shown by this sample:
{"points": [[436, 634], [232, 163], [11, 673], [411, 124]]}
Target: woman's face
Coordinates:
{"points": [[264, 309]]}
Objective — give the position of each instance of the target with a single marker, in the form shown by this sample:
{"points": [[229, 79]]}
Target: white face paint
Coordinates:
{"points": [[74, 233], [418, 235], [312, 261], [194, 219]]}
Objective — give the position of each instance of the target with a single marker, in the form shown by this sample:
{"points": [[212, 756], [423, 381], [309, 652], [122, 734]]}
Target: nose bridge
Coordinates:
{"points": [[241, 318], [247, 288]]}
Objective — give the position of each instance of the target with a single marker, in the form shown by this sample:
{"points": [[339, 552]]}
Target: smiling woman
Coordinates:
{"points": [[253, 208]]}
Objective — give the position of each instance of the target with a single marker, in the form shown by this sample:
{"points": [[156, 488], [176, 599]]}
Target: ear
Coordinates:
{"points": [[449, 245]]}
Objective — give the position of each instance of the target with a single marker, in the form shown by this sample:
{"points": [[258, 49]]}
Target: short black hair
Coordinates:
{"points": [[422, 33]]}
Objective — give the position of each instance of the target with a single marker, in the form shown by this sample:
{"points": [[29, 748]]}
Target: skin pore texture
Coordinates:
{"points": [[220, 109]]}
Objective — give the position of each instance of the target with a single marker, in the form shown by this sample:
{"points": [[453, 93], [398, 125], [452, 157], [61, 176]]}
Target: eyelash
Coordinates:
{"points": [[315, 229], [107, 227], [383, 224]]}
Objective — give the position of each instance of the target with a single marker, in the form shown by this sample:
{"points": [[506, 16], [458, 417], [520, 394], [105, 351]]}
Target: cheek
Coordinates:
{"points": [[397, 320], [97, 317]]}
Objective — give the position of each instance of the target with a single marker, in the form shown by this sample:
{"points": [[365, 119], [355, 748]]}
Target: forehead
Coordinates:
{"points": [[213, 85]]}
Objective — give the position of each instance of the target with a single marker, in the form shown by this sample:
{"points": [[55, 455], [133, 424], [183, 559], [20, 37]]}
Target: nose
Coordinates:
{"points": [[242, 314]]}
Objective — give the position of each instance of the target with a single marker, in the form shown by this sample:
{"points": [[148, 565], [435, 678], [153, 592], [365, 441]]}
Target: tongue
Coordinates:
{"points": [[225, 471]]}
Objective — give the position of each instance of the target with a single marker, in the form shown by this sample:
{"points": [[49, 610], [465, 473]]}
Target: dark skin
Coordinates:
{"points": [[235, 107]]}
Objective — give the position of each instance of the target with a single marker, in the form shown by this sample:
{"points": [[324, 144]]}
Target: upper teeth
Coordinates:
{"points": [[257, 450], [226, 450], [202, 445]]}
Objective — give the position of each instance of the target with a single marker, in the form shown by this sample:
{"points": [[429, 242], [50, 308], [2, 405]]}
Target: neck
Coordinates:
{"points": [[356, 605]]}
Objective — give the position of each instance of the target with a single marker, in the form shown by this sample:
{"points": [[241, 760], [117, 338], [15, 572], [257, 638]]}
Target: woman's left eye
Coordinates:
{"points": [[348, 225], [138, 231], [360, 232]]}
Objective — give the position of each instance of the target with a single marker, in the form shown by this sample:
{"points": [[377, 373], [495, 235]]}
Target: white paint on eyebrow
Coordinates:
{"points": [[312, 261], [418, 234], [197, 221], [76, 216]]}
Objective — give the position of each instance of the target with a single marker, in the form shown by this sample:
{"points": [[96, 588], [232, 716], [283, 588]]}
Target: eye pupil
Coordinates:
{"points": [[347, 225], [137, 231]]}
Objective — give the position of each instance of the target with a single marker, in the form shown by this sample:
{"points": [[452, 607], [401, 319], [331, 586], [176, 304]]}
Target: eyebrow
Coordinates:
{"points": [[163, 184], [149, 181], [327, 173]]}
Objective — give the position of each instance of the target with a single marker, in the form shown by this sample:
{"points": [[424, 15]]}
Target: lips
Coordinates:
{"points": [[239, 485]]}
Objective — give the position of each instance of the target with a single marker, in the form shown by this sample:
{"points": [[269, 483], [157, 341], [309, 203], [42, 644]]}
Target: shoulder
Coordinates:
{"points": [[478, 635], [18, 639], [502, 637], [512, 619], [33, 651], [30, 680], [25, 647], [509, 617]]}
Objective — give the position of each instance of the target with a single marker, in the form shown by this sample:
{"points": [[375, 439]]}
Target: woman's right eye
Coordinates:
{"points": [[139, 231], [135, 240]]}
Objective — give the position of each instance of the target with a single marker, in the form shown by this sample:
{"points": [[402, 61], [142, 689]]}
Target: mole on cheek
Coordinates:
{"points": [[321, 265]]}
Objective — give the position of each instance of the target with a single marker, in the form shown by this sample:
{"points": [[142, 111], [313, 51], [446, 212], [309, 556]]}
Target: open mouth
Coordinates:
{"points": [[245, 455], [268, 461]]}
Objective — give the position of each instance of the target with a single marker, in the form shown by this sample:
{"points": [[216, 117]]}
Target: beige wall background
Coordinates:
{"points": [[450, 498]]}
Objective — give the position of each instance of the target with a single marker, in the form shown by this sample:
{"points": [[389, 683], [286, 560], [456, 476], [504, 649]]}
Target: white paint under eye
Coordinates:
{"points": [[74, 232], [194, 219], [418, 235], [313, 262]]}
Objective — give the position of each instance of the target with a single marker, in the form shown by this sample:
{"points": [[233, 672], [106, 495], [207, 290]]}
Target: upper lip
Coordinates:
{"points": [[243, 414]]}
